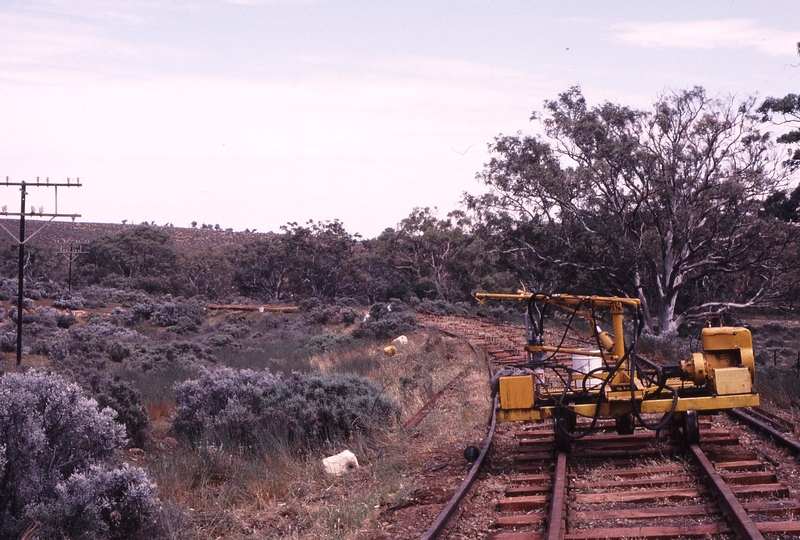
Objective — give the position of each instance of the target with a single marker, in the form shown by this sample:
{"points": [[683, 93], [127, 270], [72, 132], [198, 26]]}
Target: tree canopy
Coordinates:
{"points": [[662, 205]]}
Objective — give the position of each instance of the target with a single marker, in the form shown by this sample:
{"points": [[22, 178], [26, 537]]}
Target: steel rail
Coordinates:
{"points": [[444, 516], [737, 517], [768, 418], [556, 524], [792, 444], [415, 420], [449, 509]]}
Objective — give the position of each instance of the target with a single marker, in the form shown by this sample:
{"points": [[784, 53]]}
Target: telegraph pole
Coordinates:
{"points": [[21, 240], [75, 249]]}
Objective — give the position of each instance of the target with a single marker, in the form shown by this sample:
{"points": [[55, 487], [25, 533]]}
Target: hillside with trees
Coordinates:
{"points": [[686, 206]]}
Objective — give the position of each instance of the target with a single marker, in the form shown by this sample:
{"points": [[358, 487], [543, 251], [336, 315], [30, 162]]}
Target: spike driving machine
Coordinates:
{"points": [[609, 379]]}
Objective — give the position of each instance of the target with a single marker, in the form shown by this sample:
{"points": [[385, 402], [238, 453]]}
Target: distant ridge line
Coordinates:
{"points": [[185, 238]]}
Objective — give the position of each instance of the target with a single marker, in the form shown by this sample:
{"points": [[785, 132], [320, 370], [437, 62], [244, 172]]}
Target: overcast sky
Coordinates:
{"points": [[251, 114]]}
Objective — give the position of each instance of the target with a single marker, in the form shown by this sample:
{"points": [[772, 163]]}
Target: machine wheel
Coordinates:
{"points": [[626, 424], [691, 428], [562, 439]]}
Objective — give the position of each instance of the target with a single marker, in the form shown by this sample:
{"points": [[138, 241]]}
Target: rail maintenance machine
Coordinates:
{"points": [[609, 380]]}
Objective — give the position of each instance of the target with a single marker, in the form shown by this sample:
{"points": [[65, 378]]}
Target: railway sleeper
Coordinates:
{"points": [[754, 477], [640, 497], [520, 520], [647, 482]]}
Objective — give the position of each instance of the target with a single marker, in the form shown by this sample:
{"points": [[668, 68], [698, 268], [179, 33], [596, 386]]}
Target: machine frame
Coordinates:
{"points": [[625, 386]]}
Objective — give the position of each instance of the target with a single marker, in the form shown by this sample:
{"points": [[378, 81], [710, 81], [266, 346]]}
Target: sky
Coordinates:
{"points": [[254, 113]]}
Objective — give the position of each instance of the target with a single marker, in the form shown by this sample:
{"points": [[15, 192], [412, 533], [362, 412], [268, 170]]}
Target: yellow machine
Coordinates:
{"points": [[610, 380]]}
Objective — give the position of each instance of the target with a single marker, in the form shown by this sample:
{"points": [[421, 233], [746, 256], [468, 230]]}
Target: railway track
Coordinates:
{"points": [[647, 485]]}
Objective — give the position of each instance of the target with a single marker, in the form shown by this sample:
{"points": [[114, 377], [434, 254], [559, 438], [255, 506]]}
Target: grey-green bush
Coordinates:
{"points": [[386, 320], [246, 407], [57, 455]]}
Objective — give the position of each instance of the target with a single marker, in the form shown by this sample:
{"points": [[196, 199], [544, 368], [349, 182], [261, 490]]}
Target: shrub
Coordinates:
{"points": [[121, 316], [308, 304], [501, 313], [236, 330], [216, 340], [97, 297], [141, 312], [332, 314], [441, 307], [101, 503], [324, 314], [117, 352], [43, 315], [33, 293], [96, 337], [65, 320], [8, 341], [247, 407], [169, 313], [145, 357], [91, 373], [326, 342], [165, 314], [74, 302], [349, 316], [55, 447], [780, 386], [124, 399], [386, 321], [665, 348]]}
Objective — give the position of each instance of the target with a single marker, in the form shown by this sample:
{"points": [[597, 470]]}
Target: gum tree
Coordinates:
{"points": [[662, 205], [441, 255]]}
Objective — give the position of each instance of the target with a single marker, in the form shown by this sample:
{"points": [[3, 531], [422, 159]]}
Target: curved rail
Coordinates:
{"points": [[447, 512], [449, 509], [770, 419]]}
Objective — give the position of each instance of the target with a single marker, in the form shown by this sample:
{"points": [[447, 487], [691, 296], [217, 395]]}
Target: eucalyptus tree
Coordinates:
{"points": [[662, 205], [441, 255], [207, 272], [319, 257], [785, 111], [141, 256], [261, 267]]}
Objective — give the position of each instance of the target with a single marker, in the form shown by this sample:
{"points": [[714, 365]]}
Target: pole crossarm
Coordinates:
{"points": [[38, 214], [47, 183]]}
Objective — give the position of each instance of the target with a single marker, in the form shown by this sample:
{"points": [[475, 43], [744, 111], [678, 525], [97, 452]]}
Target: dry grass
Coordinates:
{"points": [[160, 410], [211, 493]]}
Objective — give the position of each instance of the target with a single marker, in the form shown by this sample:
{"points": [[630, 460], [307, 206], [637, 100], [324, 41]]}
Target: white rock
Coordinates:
{"points": [[400, 340], [341, 463]]}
